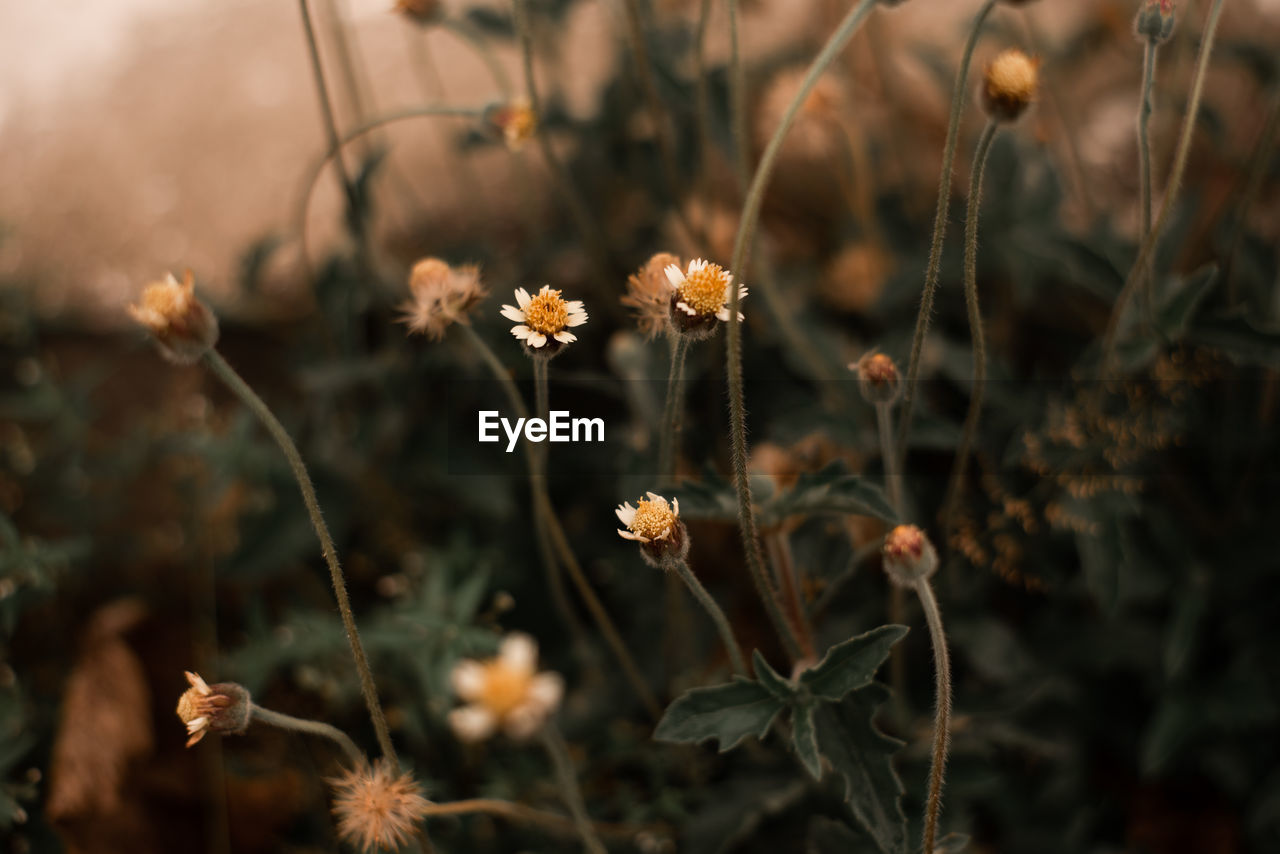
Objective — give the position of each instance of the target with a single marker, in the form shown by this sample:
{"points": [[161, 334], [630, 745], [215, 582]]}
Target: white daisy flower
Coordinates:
{"points": [[651, 520], [703, 290], [545, 317], [506, 692]]}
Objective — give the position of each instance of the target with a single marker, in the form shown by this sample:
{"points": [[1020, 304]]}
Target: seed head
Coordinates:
{"points": [[378, 807], [506, 692], [656, 526], [909, 557], [182, 326], [1154, 22], [878, 378], [441, 295], [223, 708], [1009, 85], [649, 294]]}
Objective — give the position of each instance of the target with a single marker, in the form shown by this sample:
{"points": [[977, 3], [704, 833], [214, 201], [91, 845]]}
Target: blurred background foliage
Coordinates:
{"points": [[1111, 595]]}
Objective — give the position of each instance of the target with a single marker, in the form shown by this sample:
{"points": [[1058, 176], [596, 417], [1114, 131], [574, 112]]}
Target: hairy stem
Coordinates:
{"points": [[959, 96], [669, 441], [569, 788], [324, 730], [784, 569], [976, 332], [259, 408], [942, 711], [1172, 186], [681, 568], [519, 812], [1145, 108], [733, 338]]}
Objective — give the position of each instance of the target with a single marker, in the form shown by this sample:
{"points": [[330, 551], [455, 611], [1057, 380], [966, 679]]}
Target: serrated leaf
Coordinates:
{"points": [[728, 713], [863, 755], [771, 679], [852, 664], [805, 738], [832, 490]]}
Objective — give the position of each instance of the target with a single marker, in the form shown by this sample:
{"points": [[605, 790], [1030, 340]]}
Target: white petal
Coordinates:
{"points": [[696, 264], [523, 722], [522, 332], [196, 724], [545, 691], [468, 679], [626, 514], [723, 314], [627, 535], [565, 337], [546, 289], [472, 723], [522, 297], [675, 506], [194, 679], [536, 339], [674, 275], [575, 305], [576, 319], [741, 317], [519, 652], [684, 306], [510, 312], [653, 496], [742, 292]]}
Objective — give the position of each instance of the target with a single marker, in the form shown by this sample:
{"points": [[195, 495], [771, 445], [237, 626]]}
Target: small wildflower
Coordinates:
{"points": [[517, 122], [1009, 85], [878, 378], [506, 692], [377, 807], [1154, 22], [543, 320], [183, 327], [441, 295], [420, 11], [700, 297], [909, 557], [649, 294], [656, 526], [222, 708]]}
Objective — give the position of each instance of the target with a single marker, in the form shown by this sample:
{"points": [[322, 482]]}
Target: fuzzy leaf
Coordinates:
{"points": [[728, 713], [771, 679], [805, 738], [862, 755], [852, 664]]}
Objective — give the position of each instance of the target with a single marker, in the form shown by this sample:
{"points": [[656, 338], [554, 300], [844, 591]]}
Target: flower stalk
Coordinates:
{"points": [[669, 440], [558, 752], [1145, 108], [673, 562], [310, 727]]}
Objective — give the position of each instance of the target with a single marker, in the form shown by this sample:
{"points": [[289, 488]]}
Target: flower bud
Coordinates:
{"points": [[878, 378], [1009, 85], [1154, 22], [222, 708], [908, 555], [183, 327]]}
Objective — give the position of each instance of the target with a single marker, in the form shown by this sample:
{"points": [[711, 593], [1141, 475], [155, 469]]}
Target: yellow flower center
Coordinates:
{"points": [[703, 290], [652, 518], [546, 313], [505, 687]]}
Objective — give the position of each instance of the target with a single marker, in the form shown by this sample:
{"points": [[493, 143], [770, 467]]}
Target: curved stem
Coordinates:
{"points": [[959, 95], [324, 730], [942, 711], [681, 568], [733, 337], [1144, 167], [669, 441], [975, 321], [569, 788], [259, 408], [1172, 186], [519, 812]]}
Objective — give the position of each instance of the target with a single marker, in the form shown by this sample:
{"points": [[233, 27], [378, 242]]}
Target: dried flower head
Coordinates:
{"points": [[420, 11], [543, 320], [1009, 85], [649, 294], [441, 295], [516, 121], [700, 297], [1154, 22], [878, 378], [909, 557], [223, 708], [377, 807], [183, 327], [506, 692]]}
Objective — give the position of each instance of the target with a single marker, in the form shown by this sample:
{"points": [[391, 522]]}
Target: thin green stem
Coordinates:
{"points": [[778, 548], [669, 441], [888, 458], [324, 730], [738, 104], [570, 791], [942, 711], [1172, 186], [733, 337], [1145, 108], [681, 568], [259, 408], [976, 332], [578, 209], [959, 96]]}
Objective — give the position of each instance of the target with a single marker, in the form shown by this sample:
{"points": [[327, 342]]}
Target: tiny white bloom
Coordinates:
{"points": [[544, 316]]}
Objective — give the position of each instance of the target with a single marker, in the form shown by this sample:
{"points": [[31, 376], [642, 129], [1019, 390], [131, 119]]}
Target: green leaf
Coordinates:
{"points": [[832, 490], [852, 664], [805, 738], [710, 498], [1183, 297], [863, 755], [771, 679], [728, 713]]}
